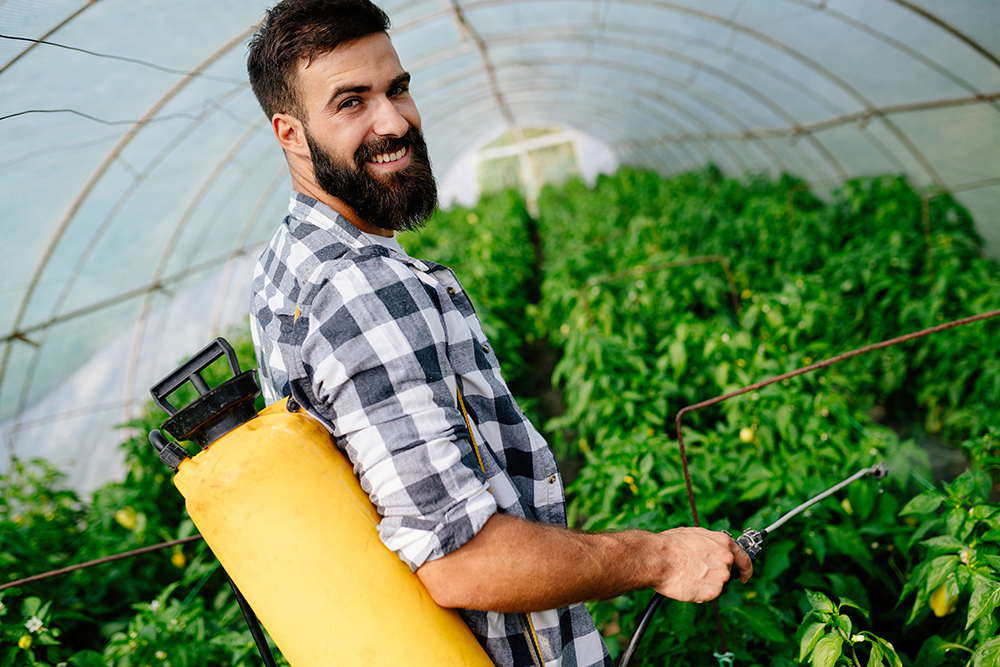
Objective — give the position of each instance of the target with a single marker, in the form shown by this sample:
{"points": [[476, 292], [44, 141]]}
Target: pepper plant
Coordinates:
{"points": [[610, 312]]}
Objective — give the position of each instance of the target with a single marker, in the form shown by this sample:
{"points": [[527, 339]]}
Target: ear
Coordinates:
{"points": [[290, 133]]}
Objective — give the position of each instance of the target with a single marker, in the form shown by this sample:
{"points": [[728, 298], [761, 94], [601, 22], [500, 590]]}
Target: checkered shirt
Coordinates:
{"points": [[384, 350]]}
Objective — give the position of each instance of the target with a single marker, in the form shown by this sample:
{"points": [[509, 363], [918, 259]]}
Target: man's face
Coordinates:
{"points": [[363, 132]]}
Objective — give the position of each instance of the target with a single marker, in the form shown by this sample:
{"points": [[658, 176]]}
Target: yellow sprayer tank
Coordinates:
{"points": [[279, 505]]}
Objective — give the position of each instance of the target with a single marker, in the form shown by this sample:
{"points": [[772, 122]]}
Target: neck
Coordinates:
{"points": [[306, 184]]}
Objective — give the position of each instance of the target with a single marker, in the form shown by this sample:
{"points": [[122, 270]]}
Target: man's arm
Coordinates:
{"points": [[513, 565]]}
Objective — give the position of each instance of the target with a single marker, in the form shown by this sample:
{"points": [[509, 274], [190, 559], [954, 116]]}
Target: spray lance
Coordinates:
{"points": [[751, 539]]}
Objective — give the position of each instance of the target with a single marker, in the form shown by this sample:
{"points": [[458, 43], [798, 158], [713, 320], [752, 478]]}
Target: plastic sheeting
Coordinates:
{"points": [[138, 177]]}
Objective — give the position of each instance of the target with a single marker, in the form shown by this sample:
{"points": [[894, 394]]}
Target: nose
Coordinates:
{"points": [[389, 122]]}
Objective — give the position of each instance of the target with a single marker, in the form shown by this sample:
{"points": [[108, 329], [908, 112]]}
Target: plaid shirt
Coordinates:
{"points": [[388, 353]]}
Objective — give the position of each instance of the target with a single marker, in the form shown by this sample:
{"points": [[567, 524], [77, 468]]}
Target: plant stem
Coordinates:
{"points": [[854, 654]]}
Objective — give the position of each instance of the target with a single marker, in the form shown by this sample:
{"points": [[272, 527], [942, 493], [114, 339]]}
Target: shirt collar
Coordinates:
{"points": [[304, 207]]}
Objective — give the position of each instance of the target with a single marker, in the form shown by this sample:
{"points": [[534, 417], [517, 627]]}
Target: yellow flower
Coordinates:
{"points": [[631, 484], [24, 642], [178, 559], [846, 504], [746, 434]]}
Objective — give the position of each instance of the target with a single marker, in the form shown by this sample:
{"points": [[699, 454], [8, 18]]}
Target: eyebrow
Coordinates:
{"points": [[343, 90]]}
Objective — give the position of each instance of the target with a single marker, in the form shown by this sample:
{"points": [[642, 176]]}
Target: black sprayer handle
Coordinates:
{"points": [[750, 541], [191, 371]]}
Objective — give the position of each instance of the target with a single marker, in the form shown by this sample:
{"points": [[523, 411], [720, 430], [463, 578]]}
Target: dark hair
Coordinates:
{"points": [[294, 30]]}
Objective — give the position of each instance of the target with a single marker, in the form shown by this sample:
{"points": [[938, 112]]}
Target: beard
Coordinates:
{"points": [[399, 201]]}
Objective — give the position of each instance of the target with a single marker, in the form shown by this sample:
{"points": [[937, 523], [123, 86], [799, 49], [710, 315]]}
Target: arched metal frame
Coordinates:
{"points": [[673, 121]]}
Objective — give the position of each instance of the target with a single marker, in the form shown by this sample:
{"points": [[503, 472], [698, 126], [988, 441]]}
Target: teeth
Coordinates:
{"points": [[389, 157]]}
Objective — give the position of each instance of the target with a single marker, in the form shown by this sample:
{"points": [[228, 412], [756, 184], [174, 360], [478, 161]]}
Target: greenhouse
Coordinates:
{"points": [[651, 205]]}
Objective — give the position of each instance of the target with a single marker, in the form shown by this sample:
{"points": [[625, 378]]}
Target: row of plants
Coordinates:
{"points": [[651, 294], [783, 280], [171, 607]]}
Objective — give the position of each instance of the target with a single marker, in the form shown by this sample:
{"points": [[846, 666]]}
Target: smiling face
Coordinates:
{"points": [[359, 142]]}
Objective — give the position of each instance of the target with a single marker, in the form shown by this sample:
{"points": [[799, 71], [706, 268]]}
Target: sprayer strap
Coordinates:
{"points": [[468, 425]]}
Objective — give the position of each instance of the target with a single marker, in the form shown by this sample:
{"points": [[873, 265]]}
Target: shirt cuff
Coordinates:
{"points": [[417, 544]]}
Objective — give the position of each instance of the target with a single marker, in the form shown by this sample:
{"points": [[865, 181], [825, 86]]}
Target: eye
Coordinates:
{"points": [[399, 89], [349, 103]]}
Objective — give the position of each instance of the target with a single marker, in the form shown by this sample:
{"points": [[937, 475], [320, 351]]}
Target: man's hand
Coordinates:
{"points": [[700, 563], [514, 565]]}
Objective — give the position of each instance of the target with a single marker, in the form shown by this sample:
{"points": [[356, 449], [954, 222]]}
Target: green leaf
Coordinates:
{"points": [[820, 602], [940, 568], [943, 543], [843, 623], [983, 512], [778, 560], [783, 417], [678, 356], [957, 523], [31, 606], [817, 542], [763, 622], [827, 650], [888, 652], [988, 654], [811, 635], [985, 598], [972, 486], [934, 650], [875, 657], [847, 602], [925, 503], [87, 659]]}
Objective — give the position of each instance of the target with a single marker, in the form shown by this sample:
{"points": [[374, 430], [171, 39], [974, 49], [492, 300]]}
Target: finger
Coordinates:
{"points": [[742, 561]]}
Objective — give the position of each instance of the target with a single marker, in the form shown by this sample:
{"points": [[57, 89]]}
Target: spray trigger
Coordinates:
{"points": [[750, 541]]}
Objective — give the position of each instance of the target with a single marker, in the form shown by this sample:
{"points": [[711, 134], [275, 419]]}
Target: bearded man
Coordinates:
{"points": [[386, 350]]}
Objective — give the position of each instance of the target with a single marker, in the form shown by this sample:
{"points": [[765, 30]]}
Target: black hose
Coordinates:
{"points": [[647, 616], [258, 633]]}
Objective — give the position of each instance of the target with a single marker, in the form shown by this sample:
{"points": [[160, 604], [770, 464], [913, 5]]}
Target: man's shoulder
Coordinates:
{"points": [[314, 256]]}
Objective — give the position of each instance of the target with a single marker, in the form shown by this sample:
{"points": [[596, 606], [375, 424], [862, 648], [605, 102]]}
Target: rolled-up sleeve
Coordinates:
{"points": [[375, 354]]}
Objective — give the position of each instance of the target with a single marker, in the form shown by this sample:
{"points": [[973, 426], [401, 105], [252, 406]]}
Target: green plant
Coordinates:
{"points": [[27, 640], [827, 636], [620, 288], [960, 563]]}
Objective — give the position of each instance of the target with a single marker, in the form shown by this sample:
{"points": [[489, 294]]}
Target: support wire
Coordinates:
{"points": [[657, 598]]}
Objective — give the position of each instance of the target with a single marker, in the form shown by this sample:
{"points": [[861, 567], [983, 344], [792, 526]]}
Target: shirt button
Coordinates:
{"points": [[451, 291], [486, 348], [552, 479]]}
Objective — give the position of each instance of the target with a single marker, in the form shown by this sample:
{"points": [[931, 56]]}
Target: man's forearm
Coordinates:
{"points": [[513, 565]]}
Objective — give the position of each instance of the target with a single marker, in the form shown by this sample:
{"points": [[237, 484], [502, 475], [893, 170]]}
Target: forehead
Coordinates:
{"points": [[369, 62]]}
